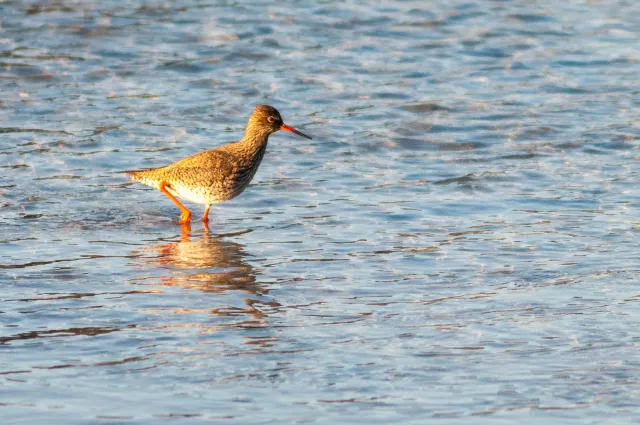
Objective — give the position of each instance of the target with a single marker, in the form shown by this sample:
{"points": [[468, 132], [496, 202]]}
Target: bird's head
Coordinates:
{"points": [[266, 117]]}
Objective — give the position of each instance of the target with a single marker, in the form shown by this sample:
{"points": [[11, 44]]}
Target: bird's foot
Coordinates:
{"points": [[185, 217]]}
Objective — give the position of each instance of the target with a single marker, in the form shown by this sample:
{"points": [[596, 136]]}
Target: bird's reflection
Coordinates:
{"points": [[209, 252], [210, 264]]}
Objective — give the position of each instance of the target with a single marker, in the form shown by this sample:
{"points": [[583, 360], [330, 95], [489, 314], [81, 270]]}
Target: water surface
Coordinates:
{"points": [[457, 244]]}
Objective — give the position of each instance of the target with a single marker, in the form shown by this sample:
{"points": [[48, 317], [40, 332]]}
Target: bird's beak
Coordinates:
{"points": [[293, 130]]}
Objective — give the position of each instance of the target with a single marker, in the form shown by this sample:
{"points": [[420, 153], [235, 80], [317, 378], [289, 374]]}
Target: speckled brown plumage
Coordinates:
{"points": [[218, 174]]}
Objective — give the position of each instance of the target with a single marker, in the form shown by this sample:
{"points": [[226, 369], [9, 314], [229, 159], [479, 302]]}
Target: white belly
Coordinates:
{"points": [[195, 195]]}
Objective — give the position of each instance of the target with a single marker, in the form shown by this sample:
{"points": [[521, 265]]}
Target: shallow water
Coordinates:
{"points": [[457, 244]]}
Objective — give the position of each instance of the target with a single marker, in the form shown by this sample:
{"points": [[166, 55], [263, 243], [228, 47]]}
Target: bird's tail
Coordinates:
{"points": [[134, 175], [143, 176]]}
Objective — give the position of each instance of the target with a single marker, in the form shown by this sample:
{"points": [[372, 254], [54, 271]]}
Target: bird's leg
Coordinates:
{"points": [[205, 217], [185, 217]]}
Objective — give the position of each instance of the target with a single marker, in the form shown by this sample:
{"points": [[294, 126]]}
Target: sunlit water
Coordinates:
{"points": [[457, 244]]}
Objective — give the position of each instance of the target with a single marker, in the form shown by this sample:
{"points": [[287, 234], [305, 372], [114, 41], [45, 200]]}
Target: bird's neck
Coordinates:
{"points": [[255, 137], [251, 147]]}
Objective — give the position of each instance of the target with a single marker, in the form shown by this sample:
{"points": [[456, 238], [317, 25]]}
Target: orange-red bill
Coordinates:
{"points": [[294, 131]]}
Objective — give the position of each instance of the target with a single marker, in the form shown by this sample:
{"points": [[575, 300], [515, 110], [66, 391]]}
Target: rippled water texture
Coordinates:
{"points": [[457, 244]]}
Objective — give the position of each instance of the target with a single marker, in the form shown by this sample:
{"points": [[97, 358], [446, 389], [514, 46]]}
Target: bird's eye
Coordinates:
{"points": [[271, 119]]}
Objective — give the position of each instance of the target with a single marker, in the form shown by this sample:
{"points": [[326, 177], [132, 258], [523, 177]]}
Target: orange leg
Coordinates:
{"points": [[205, 217], [185, 217]]}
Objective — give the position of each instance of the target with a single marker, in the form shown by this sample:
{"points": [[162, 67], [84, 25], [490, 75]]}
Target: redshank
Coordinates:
{"points": [[219, 174]]}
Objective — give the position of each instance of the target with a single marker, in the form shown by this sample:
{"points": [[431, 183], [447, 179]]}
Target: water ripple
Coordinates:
{"points": [[457, 243]]}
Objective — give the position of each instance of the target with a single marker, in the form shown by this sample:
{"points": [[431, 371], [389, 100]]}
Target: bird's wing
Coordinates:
{"points": [[209, 168]]}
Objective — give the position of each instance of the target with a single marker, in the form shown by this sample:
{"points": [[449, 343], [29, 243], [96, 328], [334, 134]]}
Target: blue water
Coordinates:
{"points": [[458, 244]]}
